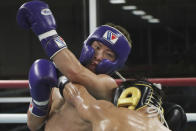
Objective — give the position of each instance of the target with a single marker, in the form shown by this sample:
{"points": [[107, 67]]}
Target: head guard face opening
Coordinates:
{"points": [[137, 94], [113, 39]]}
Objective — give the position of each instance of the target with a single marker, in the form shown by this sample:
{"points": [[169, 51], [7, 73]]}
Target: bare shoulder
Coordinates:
{"points": [[107, 86], [108, 81], [93, 102], [103, 105], [101, 110], [107, 78]]}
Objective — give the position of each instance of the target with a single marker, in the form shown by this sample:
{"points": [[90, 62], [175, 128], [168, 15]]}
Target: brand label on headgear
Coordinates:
{"points": [[110, 36]]}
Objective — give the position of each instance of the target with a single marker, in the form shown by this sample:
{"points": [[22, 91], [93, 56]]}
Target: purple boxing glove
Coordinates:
{"points": [[37, 16], [42, 77]]}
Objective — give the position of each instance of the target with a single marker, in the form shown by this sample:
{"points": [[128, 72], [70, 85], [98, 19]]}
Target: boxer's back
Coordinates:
{"points": [[109, 118], [65, 117]]}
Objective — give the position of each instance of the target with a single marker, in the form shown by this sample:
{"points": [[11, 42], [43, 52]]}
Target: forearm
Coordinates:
{"points": [[69, 65], [78, 96], [35, 123], [71, 94]]}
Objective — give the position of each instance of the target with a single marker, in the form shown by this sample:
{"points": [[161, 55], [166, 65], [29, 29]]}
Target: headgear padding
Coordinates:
{"points": [[113, 39]]}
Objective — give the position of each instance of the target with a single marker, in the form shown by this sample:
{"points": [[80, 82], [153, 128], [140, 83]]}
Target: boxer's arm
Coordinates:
{"points": [[37, 16], [34, 123], [79, 97], [42, 77], [100, 86]]}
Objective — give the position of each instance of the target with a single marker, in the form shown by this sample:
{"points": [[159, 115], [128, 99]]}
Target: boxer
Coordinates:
{"points": [[138, 108], [104, 52]]}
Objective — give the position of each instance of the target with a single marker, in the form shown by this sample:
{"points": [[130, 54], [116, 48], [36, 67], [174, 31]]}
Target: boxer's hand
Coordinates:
{"points": [[42, 77], [37, 16]]}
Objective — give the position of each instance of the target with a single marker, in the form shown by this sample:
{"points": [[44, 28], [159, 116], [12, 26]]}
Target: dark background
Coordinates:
{"points": [[165, 49]]}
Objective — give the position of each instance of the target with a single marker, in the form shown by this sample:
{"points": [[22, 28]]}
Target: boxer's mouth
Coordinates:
{"points": [[92, 66]]}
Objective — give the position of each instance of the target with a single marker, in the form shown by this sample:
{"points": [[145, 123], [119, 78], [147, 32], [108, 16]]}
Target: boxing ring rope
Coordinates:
{"points": [[22, 117], [13, 118], [191, 81], [14, 84], [15, 99]]}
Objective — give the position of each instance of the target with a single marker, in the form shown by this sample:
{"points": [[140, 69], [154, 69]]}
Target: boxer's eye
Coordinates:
{"points": [[110, 55], [96, 46]]}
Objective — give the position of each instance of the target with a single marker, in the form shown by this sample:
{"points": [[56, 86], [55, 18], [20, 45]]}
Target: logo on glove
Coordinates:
{"points": [[46, 12]]}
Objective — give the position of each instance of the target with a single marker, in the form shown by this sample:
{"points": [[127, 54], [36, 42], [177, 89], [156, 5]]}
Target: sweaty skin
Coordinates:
{"points": [[82, 112], [64, 116]]}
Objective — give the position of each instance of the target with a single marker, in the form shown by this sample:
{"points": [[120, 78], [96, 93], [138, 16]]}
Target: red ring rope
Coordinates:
{"points": [[164, 81], [178, 82], [175, 81], [14, 84]]}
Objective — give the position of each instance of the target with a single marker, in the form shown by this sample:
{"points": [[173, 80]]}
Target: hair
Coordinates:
{"points": [[123, 31]]}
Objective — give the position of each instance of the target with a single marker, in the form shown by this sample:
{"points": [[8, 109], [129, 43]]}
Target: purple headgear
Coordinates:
{"points": [[113, 39]]}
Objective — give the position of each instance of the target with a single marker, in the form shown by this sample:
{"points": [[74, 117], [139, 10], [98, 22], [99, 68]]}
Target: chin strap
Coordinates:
{"points": [[154, 111], [119, 75]]}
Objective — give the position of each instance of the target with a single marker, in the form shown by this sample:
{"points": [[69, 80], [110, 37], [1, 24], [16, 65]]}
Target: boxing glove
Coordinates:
{"points": [[42, 77], [175, 116], [37, 16]]}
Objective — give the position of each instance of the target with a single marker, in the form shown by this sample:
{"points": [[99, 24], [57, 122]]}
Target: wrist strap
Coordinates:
{"points": [[47, 34], [38, 110], [61, 84]]}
